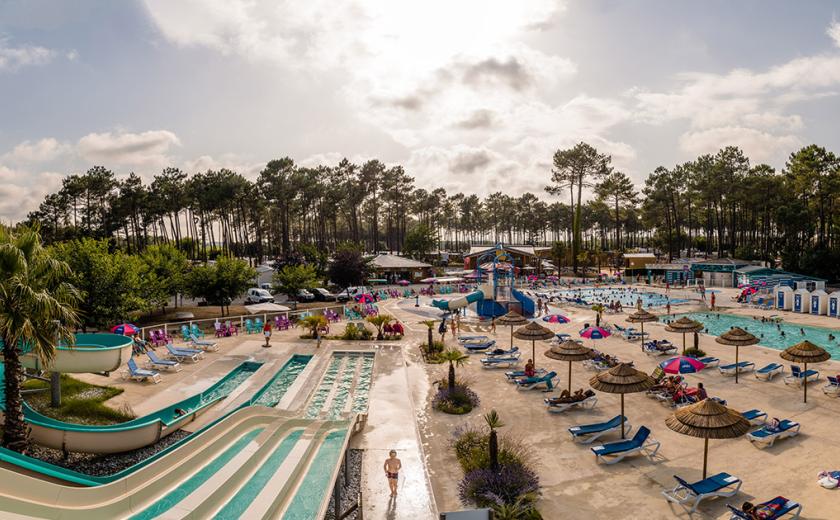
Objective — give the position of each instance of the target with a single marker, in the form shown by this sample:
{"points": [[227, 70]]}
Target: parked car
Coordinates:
{"points": [[305, 296], [351, 292], [257, 295], [323, 295]]}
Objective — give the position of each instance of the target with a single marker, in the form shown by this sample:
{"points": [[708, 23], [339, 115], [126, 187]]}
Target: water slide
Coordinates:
{"points": [[484, 291], [92, 353], [134, 434], [255, 462]]}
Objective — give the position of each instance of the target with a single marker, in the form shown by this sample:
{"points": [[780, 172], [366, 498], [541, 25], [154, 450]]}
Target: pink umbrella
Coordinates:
{"points": [[364, 298], [682, 365], [403, 283], [556, 318], [594, 333]]}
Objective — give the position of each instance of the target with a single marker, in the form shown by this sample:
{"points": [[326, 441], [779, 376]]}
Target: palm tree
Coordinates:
{"points": [[313, 323], [430, 324], [493, 422], [455, 358], [37, 309], [379, 321], [599, 309]]}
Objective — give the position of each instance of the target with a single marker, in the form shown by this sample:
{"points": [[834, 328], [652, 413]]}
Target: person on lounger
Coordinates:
{"points": [[773, 425], [530, 371]]}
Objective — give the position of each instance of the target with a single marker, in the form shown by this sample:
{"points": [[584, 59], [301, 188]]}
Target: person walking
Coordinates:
{"points": [[392, 468], [267, 333]]}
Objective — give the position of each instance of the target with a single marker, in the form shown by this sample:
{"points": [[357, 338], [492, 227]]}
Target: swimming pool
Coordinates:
{"points": [[345, 385], [626, 296], [771, 334]]}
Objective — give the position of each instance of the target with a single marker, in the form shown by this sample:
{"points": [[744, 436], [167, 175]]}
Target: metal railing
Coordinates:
{"points": [[208, 325]]}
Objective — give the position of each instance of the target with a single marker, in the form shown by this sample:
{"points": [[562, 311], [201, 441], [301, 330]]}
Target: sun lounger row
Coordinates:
{"points": [[501, 358], [174, 357]]}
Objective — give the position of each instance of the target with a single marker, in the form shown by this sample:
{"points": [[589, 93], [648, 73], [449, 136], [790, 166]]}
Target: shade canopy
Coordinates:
{"points": [[681, 365], [594, 333], [556, 318], [533, 332], [642, 316], [708, 419], [622, 379], [805, 352], [512, 319], [570, 351], [736, 337], [684, 325], [266, 307]]}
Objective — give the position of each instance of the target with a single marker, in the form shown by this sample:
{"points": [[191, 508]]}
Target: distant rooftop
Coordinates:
{"points": [[397, 262], [524, 250]]}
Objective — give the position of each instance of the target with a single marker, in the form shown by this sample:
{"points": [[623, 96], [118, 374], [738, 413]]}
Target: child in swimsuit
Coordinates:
{"points": [[392, 468]]}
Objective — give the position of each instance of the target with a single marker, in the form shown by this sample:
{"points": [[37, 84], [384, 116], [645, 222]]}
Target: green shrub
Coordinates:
{"points": [[470, 444], [81, 403], [353, 332], [695, 352]]}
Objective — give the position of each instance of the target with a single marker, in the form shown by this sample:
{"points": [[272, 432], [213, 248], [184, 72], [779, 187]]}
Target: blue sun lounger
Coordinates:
{"points": [[780, 506], [182, 354], [529, 383], [710, 361], [479, 348], [614, 452], [513, 375], [477, 339], [203, 344], [755, 416], [139, 374], [720, 485], [501, 361], [588, 433], [168, 364], [833, 386], [767, 436], [797, 376], [767, 372], [504, 353], [743, 366]]}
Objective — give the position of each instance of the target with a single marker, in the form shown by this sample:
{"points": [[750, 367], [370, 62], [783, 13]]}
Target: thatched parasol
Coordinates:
{"points": [[642, 316], [708, 419], [738, 338], [570, 351], [512, 319], [622, 379], [533, 332], [684, 325], [805, 352]]}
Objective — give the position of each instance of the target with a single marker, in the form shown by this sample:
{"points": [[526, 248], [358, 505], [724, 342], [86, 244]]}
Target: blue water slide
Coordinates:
{"points": [[529, 307], [460, 302]]}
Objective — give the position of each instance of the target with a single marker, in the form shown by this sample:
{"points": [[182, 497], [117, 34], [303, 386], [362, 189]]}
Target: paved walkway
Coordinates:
{"points": [[391, 425]]}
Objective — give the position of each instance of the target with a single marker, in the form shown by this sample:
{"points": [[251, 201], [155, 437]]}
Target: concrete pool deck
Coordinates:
{"points": [[573, 485]]}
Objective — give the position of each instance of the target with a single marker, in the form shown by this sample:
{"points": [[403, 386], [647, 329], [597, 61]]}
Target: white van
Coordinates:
{"points": [[256, 295], [351, 292]]}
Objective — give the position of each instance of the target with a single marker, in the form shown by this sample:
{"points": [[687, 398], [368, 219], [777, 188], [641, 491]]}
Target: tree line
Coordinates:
{"points": [[717, 203]]}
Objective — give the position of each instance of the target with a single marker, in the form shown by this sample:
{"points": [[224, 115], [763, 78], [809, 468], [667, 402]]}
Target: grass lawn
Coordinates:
{"points": [[81, 403]]}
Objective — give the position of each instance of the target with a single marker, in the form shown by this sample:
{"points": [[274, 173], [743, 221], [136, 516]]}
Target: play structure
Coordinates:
{"points": [[499, 295]]}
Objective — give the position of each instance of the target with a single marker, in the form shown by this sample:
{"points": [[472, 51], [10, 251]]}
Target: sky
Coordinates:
{"points": [[473, 96]]}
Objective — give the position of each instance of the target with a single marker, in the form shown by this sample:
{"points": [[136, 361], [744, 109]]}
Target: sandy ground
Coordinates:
{"points": [[573, 484]]}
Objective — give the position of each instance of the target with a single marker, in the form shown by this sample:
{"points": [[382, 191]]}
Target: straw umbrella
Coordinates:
{"points": [[642, 316], [512, 319], [533, 332], [622, 379], [570, 351], [738, 338], [684, 325], [805, 352], [708, 419]]}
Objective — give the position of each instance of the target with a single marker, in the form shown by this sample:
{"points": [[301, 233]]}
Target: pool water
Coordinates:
{"points": [[229, 385], [347, 379], [315, 484], [626, 296], [770, 334], [271, 394]]}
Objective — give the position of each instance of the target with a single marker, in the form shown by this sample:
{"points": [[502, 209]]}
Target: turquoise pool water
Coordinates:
{"points": [[627, 296], [229, 385], [347, 379], [774, 335], [191, 484], [314, 486], [238, 504], [271, 394]]}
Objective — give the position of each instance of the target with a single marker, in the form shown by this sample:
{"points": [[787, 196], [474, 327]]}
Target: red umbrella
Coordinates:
{"points": [[681, 365], [125, 329], [364, 298], [403, 283]]}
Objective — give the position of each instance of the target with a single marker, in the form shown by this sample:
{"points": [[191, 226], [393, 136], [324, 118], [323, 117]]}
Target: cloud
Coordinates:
{"points": [[478, 119], [13, 58], [43, 150], [833, 32], [510, 72], [760, 147], [148, 149], [22, 191], [233, 162]]}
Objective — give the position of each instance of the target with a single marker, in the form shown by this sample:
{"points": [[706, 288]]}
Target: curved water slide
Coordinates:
{"points": [[484, 292], [92, 353], [134, 434]]}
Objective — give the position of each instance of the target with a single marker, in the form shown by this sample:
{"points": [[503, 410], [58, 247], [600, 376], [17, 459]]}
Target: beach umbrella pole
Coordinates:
{"points": [[511, 336], [570, 377], [736, 364], [805, 384], [534, 353], [622, 416], [705, 456], [683, 343]]}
